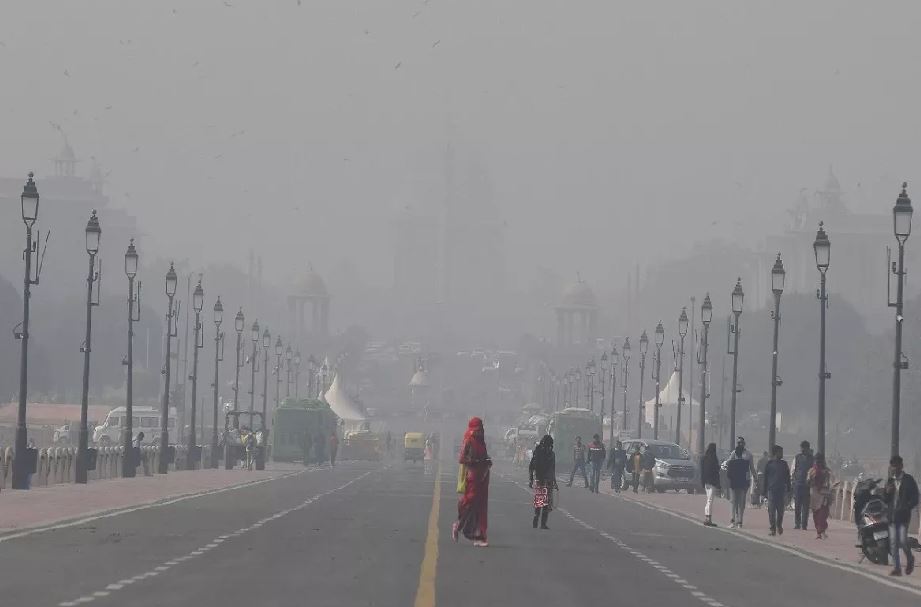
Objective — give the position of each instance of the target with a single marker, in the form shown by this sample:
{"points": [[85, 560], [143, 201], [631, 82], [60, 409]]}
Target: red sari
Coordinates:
{"points": [[472, 505]]}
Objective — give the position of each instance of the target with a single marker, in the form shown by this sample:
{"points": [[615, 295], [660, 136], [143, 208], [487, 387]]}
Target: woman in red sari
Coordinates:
{"points": [[820, 485], [471, 506]]}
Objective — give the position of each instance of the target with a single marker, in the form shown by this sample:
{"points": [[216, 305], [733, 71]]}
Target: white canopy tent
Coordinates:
{"points": [[343, 405], [668, 401]]}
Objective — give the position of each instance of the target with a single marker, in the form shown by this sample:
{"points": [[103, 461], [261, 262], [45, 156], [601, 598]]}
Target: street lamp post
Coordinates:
{"points": [[198, 302], [238, 324], [266, 344], [602, 376], [590, 384], [21, 466], [777, 284], [297, 373], [289, 354], [252, 378], [660, 339], [163, 459], [901, 222], [822, 248], [614, 360], [93, 234], [625, 358], [706, 316], [735, 330], [279, 350], [129, 465], [644, 348], [312, 376], [218, 357], [682, 332]]}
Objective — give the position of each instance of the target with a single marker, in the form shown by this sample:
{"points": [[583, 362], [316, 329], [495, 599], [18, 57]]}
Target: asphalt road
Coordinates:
{"points": [[364, 535]]}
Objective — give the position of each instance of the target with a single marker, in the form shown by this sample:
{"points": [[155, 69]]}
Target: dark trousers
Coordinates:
{"points": [[578, 466], [801, 512], [617, 479], [636, 480], [596, 476], [776, 501]]}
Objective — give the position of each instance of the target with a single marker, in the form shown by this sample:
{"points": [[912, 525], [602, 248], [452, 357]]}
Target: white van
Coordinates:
{"points": [[143, 419]]}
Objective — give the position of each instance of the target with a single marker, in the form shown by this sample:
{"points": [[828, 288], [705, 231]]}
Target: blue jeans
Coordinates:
{"points": [[578, 466], [898, 539], [801, 495], [777, 500], [596, 476]]}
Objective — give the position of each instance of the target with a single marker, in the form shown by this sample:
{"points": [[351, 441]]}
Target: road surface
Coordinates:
{"points": [[366, 534]]}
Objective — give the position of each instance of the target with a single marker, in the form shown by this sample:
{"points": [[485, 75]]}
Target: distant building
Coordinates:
{"points": [[857, 271], [66, 201]]}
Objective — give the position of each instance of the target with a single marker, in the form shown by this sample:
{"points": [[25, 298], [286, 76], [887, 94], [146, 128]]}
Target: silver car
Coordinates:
{"points": [[674, 468]]}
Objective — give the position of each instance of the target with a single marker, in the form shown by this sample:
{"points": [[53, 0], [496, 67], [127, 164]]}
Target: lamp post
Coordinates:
{"points": [[93, 234], [297, 373], [822, 248], [266, 344], [21, 467], [644, 348], [218, 357], [777, 284], [129, 466], [288, 356], [279, 350], [660, 339], [198, 302], [735, 330], [324, 376], [238, 323], [252, 378], [901, 223], [602, 375], [163, 459], [682, 332], [706, 316], [590, 384], [625, 357], [312, 376], [614, 360]]}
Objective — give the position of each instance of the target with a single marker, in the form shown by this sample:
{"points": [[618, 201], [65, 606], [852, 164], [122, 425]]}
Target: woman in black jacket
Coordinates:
{"points": [[543, 469], [710, 479]]}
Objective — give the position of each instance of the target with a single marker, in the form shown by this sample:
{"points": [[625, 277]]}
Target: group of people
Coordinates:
{"points": [[593, 456], [319, 448]]}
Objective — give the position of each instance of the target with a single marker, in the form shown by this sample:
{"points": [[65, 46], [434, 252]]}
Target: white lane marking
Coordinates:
{"points": [[167, 502], [755, 540], [161, 568]]}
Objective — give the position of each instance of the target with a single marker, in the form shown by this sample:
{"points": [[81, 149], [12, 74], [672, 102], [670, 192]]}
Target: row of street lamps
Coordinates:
{"points": [[902, 214], [23, 463]]}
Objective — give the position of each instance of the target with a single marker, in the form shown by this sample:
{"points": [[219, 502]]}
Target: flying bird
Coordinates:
{"points": [[397, 66], [108, 107], [437, 42], [67, 73]]}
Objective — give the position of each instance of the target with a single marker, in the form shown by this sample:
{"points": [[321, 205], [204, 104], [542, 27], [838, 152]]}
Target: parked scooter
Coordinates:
{"points": [[872, 518]]}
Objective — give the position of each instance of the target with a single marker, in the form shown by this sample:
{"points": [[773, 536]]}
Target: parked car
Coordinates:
{"points": [[674, 468]]}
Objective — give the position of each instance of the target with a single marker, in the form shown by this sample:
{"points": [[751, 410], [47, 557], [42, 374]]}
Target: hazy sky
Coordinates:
{"points": [[613, 131]]}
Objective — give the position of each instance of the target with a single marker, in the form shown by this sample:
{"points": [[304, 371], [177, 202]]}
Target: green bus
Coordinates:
{"points": [[565, 426], [295, 419]]}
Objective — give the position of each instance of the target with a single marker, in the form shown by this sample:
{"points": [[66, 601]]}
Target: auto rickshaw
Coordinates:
{"points": [[413, 446]]}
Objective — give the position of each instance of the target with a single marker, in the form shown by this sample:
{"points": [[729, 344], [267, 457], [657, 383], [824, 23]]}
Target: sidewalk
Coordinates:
{"points": [[43, 506], [838, 547]]}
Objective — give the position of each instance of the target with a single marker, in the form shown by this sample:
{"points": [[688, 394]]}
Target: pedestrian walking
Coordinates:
{"points": [[819, 482], [776, 487], [139, 459], [542, 469], [636, 468], [474, 486], [617, 461], [649, 462], [333, 449], [710, 479], [578, 462], [902, 498], [740, 471], [596, 457], [802, 466]]}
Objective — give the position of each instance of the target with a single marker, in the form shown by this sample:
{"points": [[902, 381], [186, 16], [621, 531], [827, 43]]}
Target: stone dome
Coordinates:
{"points": [[579, 294], [312, 285]]}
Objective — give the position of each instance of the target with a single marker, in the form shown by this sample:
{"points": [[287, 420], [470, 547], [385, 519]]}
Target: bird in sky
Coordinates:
{"points": [[437, 42], [397, 66], [67, 73]]}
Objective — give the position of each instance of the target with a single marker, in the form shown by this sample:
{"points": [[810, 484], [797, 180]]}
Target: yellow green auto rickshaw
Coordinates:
{"points": [[413, 446]]}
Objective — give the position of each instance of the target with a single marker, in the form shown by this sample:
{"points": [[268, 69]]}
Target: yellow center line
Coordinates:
{"points": [[425, 592]]}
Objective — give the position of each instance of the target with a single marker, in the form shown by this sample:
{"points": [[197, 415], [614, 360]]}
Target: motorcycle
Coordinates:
{"points": [[871, 515]]}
